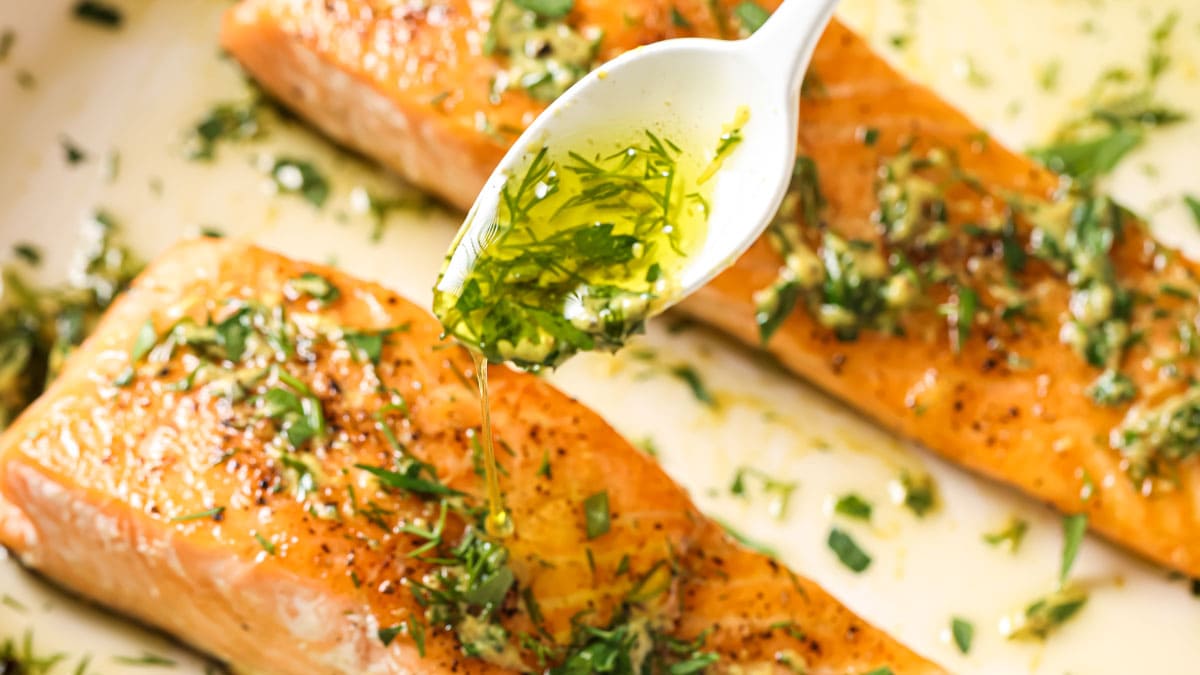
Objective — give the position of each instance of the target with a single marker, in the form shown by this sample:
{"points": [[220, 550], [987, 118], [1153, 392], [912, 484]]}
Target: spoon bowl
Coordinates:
{"points": [[688, 88]]}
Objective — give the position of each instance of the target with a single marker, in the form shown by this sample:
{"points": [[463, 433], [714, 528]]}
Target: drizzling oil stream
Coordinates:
{"points": [[499, 521]]}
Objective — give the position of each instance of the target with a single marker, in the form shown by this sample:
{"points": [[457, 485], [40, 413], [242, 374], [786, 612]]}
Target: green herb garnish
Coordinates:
{"points": [[963, 632], [215, 513], [316, 287], [919, 492], [853, 506], [751, 15], [294, 176], [848, 552], [98, 13], [1011, 535], [596, 514], [1112, 388]]}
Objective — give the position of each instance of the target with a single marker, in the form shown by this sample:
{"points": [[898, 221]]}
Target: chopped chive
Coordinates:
{"points": [[596, 514], [216, 513], [963, 632], [853, 506], [848, 552], [98, 13], [264, 543], [144, 342]]}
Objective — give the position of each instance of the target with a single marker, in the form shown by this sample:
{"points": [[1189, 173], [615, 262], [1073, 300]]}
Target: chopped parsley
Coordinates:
{"points": [[228, 121], [848, 551], [750, 15], [316, 287], [71, 151], [1193, 205], [597, 518], [1152, 438], [1045, 615], [544, 55], [692, 379], [853, 506], [39, 327], [1074, 527], [918, 492], [1010, 536], [214, 513], [779, 491], [98, 13], [265, 543], [145, 659], [963, 632], [294, 176], [1112, 388]]}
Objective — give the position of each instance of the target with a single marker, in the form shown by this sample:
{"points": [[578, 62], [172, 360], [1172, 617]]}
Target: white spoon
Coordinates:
{"points": [[697, 85]]}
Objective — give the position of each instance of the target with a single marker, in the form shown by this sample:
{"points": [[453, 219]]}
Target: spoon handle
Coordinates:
{"points": [[785, 43]]}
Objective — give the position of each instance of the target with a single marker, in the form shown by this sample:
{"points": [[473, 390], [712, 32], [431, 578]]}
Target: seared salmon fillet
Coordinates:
{"points": [[278, 464], [1009, 321]]}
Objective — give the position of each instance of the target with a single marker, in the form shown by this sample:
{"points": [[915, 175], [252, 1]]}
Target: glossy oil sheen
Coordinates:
{"points": [[584, 239]]}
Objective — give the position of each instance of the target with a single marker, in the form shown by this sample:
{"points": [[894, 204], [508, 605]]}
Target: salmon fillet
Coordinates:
{"points": [[184, 493], [1009, 404]]}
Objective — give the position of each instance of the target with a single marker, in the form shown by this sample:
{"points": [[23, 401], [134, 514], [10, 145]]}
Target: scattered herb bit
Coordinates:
{"points": [[745, 540], [848, 552], [316, 287], [751, 15], [1074, 527], [596, 514], [870, 136], [98, 13], [1048, 75], [544, 54], [411, 480], [265, 543], [1113, 388], [12, 603], [1160, 435], [1045, 615], [71, 151], [29, 253], [853, 506], [146, 338], [779, 491], [550, 9], [388, 634], [215, 513], [230, 121], [695, 383], [294, 176], [967, 69], [679, 20], [963, 632], [145, 659], [39, 327], [1011, 535], [1193, 204], [918, 492], [884, 670], [1089, 159]]}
